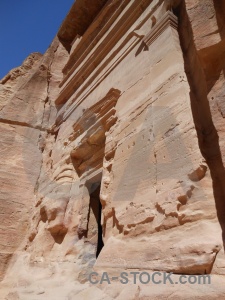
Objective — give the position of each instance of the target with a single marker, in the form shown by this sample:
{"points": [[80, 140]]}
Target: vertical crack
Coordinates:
{"points": [[49, 75]]}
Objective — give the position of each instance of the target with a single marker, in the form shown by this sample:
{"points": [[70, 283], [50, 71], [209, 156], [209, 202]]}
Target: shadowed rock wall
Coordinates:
{"points": [[113, 153]]}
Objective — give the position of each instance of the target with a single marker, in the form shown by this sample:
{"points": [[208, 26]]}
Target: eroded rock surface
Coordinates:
{"points": [[113, 154]]}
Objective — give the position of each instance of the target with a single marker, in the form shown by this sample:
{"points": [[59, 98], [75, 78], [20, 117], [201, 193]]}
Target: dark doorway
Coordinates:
{"points": [[94, 233]]}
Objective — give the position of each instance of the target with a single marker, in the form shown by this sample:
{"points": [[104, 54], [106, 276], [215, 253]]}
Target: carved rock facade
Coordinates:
{"points": [[113, 153]]}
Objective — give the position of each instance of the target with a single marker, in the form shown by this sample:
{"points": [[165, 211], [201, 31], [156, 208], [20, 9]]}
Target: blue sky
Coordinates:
{"points": [[28, 26]]}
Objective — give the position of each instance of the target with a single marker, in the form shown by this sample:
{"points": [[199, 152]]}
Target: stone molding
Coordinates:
{"points": [[168, 20], [94, 60]]}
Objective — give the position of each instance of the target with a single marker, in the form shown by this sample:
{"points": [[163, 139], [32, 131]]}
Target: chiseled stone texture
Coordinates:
{"points": [[113, 154]]}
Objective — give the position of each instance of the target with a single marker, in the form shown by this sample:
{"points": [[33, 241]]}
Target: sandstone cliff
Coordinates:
{"points": [[113, 153]]}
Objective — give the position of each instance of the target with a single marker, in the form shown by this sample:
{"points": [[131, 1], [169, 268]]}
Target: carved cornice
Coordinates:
{"points": [[93, 34], [94, 60], [132, 40], [78, 20], [92, 73], [168, 20]]}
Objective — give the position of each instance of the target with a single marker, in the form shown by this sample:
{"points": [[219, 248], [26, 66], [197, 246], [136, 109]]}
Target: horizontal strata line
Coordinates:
{"points": [[23, 124]]}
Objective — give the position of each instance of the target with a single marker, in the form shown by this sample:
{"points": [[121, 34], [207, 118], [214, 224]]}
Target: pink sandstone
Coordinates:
{"points": [[113, 154]]}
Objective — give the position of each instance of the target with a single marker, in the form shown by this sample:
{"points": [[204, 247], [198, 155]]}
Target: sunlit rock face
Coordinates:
{"points": [[113, 154]]}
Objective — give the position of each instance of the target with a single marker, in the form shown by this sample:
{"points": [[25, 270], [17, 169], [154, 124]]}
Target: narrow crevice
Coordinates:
{"points": [[207, 134], [18, 123], [100, 243], [94, 227]]}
